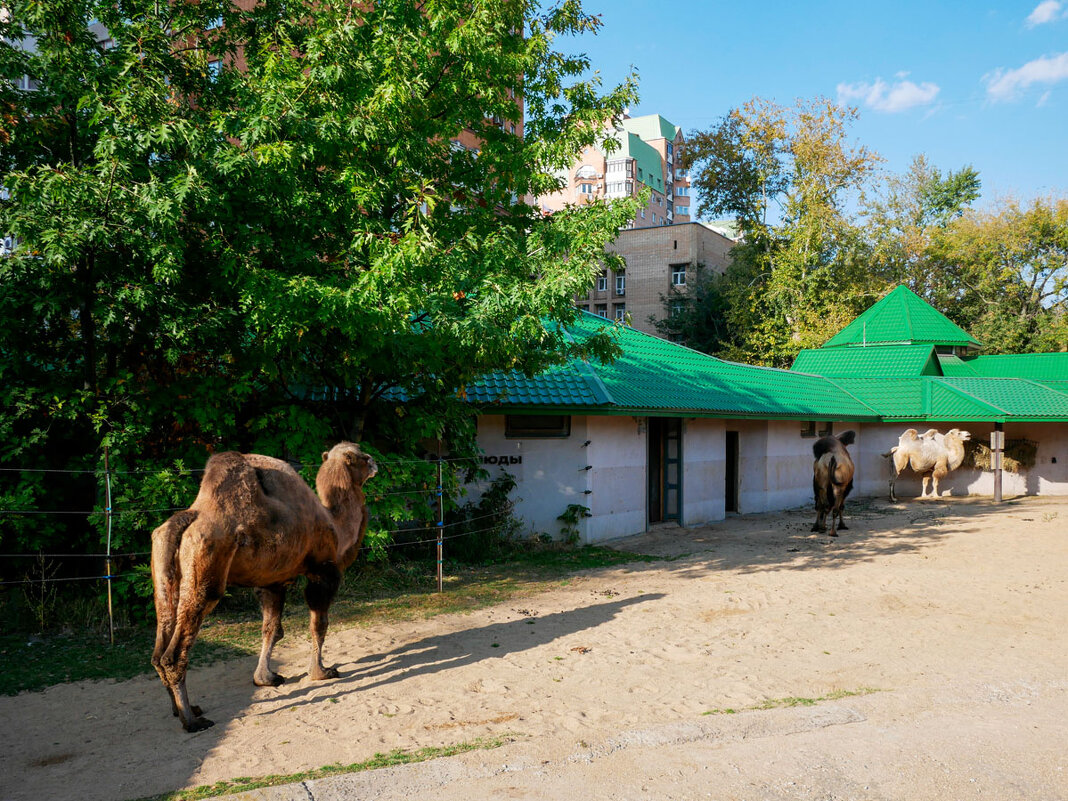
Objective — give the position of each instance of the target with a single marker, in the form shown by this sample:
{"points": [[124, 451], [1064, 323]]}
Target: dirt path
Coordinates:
{"points": [[936, 630]]}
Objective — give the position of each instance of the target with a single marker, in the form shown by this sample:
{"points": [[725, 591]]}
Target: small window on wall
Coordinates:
{"points": [[809, 429], [537, 426]]}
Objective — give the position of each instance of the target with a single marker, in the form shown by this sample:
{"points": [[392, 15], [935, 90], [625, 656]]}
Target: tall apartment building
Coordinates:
{"points": [[664, 247], [648, 155], [661, 262]]}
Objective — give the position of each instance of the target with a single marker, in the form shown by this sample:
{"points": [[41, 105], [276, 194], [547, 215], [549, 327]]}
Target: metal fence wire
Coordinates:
{"points": [[433, 496]]}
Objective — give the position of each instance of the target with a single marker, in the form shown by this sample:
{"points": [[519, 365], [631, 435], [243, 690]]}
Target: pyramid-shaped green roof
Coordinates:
{"points": [[902, 317]]}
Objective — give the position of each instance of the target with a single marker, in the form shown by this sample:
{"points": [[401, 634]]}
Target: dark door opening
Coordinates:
{"points": [[665, 469], [730, 474]]}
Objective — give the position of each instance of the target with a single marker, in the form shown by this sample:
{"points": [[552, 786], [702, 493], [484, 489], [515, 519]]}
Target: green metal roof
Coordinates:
{"points": [[954, 366], [899, 318], [880, 361], [901, 382], [960, 399], [654, 376], [1039, 366], [651, 126]]}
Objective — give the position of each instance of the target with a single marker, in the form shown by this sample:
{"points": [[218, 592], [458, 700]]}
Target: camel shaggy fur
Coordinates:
{"points": [[932, 455], [832, 480], [255, 523]]}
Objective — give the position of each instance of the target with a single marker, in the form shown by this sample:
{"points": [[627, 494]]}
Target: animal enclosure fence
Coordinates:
{"points": [[427, 526]]}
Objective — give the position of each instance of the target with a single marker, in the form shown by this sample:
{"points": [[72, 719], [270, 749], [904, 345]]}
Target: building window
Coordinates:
{"points": [[602, 282], [621, 284], [677, 308], [810, 430], [214, 69], [678, 275], [586, 189], [643, 214], [537, 426], [602, 310], [682, 191], [620, 311]]}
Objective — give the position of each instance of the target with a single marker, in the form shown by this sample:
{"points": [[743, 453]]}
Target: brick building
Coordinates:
{"points": [[659, 260]]}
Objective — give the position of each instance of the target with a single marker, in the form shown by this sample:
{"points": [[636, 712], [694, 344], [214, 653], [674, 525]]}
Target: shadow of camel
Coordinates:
{"points": [[461, 648]]}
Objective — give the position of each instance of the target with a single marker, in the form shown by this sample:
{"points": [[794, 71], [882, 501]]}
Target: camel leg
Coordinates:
{"points": [[319, 593], [199, 594], [272, 600], [165, 582], [926, 478], [936, 475]]}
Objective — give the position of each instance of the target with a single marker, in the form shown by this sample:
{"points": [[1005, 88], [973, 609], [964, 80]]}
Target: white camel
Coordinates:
{"points": [[932, 455]]}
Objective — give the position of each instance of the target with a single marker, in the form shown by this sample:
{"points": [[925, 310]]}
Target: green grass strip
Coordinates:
{"points": [[792, 701], [392, 759]]}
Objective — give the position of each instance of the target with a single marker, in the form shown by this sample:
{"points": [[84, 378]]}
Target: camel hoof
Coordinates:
{"points": [[199, 724], [197, 711], [272, 680], [816, 527], [327, 673], [843, 527]]}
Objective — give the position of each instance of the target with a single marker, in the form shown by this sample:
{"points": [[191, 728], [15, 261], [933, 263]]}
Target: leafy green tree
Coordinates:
{"points": [[786, 174], [908, 212], [1006, 270], [261, 234]]}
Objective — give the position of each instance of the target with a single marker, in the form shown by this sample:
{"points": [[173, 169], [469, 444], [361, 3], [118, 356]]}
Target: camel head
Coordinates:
{"points": [[360, 466], [963, 436]]}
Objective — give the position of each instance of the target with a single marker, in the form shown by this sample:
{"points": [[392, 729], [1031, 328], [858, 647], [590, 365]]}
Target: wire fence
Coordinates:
{"points": [[433, 496]]}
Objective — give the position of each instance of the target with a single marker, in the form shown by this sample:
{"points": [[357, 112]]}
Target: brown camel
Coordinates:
{"points": [[255, 523], [931, 454], [832, 479]]}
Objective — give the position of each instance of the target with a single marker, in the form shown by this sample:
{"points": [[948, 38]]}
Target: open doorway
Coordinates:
{"points": [[730, 474], [665, 469]]}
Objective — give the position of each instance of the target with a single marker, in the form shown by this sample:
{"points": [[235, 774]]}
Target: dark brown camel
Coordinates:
{"points": [[255, 523], [832, 480]]}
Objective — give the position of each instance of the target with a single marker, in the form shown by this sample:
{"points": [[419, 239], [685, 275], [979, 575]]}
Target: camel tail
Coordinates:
{"points": [[166, 574]]}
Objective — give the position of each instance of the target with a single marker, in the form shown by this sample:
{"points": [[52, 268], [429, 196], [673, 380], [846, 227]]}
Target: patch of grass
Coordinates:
{"points": [[371, 594], [792, 701], [392, 759]]}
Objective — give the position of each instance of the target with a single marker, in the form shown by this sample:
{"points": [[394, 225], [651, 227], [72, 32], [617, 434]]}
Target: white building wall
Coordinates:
{"points": [[775, 469], [618, 451], [550, 473], [1049, 476], [704, 451]]}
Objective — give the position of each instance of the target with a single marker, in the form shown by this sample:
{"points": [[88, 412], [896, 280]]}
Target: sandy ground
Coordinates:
{"points": [[952, 612]]}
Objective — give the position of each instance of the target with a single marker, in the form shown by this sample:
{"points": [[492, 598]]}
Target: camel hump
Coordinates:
{"points": [[909, 434], [847, 437]]}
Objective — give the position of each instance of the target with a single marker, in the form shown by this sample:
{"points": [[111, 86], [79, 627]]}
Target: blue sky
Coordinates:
{"points": [[982, 83]]}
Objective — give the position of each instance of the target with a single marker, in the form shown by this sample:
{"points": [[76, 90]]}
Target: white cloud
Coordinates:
{"points": [[1046, 11], [888, 98], [1002, 85]]}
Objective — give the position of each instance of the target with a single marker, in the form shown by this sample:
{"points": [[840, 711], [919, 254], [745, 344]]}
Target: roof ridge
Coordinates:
{"points": [[836, 385], [943, 382]]}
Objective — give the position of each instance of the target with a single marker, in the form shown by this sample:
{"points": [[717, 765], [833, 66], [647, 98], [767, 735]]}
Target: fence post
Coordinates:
{"points": [[107, 512], [441, 521]]}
